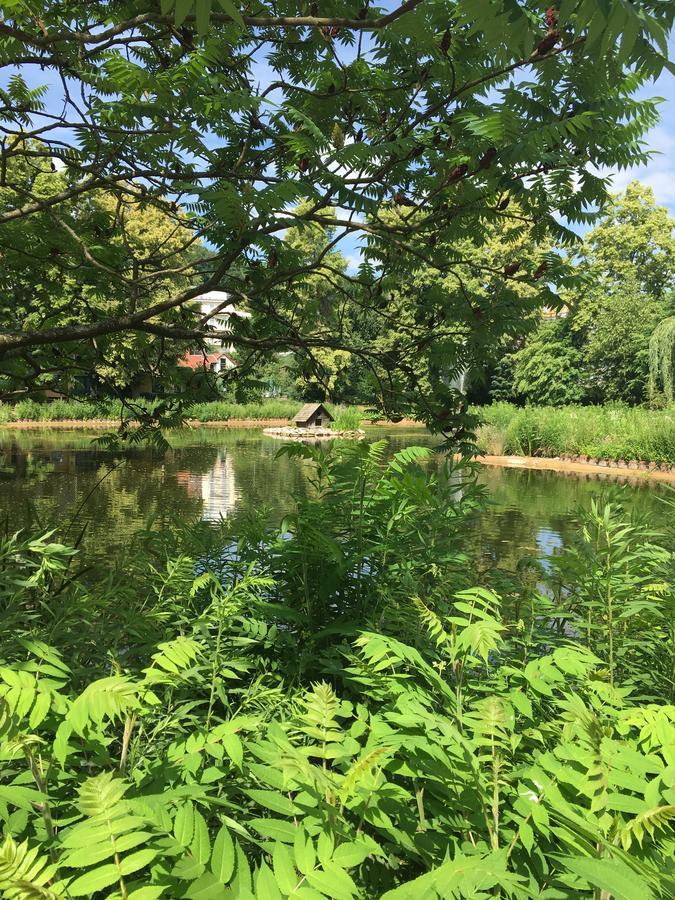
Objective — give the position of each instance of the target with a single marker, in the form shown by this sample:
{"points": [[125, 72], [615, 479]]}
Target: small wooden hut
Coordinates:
{"points": [[312, 415]]}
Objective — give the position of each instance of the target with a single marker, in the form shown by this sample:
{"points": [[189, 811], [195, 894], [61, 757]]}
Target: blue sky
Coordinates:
{"points": [[660, 173]]}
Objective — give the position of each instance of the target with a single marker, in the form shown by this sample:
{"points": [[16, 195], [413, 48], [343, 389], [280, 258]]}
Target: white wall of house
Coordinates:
{"points": [[218, 312]]}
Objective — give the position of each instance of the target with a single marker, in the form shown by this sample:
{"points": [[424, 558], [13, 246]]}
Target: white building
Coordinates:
{"points": [[217, 313]]}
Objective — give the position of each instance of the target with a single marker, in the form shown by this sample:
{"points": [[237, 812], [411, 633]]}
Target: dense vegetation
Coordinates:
{"points": [[284, 140], [611, 432], [81, 410], [210, 411], [612, 340], [352, 703], [347, 705]]}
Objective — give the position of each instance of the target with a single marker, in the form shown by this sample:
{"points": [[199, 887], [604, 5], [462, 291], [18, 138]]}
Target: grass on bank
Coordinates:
{"points": [[610, 432], [603, 432], [211, 411]]}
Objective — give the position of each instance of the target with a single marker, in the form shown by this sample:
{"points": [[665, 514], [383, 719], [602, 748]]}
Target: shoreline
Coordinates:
{"points": [[641, 472], [566, 466], [96, 424]]}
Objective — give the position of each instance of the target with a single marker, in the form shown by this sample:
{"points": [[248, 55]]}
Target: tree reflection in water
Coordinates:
{"points": [[46, 476]]}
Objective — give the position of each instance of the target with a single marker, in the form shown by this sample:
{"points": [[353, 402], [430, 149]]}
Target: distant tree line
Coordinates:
{"points": [[614, 337], [610, 338]]}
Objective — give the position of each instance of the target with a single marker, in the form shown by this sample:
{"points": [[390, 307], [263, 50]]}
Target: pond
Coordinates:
{"points": [[51, 477]]}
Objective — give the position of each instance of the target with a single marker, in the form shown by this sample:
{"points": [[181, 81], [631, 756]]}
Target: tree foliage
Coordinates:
{"points": [[600, 350], [238, 124], [60, 269], [662, 359]]}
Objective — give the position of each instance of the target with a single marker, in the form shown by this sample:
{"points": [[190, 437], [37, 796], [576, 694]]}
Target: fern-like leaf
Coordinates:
{"points": [[107, 698], [24, 874], [656, 819]]}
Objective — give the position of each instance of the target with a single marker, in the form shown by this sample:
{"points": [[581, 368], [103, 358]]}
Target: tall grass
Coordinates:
{"points": [[223, 410], [81, 410], [32, 411], [603, 432], [346, 418]]}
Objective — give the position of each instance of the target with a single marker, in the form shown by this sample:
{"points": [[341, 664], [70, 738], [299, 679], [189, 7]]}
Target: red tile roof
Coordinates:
{"points": [[201, 360]]}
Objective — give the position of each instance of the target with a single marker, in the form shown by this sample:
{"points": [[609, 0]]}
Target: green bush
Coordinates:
{"points": [[346, 418], [606, 432], [334, 709], [211, 411]]}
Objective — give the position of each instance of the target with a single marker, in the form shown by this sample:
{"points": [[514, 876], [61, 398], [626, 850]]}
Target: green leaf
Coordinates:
{"points": [[207, 887], [611, 875], [135, 861], [100, 795], [232, 10], [334, 882], [352, 853], [304, 852], [92, 882], [222, 858], [203, 16], [183, 825], [278, 803], [40, 709], [149, 892], [21, 797], [526, 836], [277, 829], [266, 887], [284, 870], [187, 868], [200, 846], [183, 9], [234, 749]]}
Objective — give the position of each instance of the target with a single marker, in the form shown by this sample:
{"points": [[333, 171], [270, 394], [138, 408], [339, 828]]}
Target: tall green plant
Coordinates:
{"points": [[338, 711], [662, 359], [616, 581]]}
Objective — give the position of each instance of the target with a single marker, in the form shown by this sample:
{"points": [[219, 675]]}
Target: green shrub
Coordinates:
{"points": [[607, 432], [335, 709], [346, 418]]}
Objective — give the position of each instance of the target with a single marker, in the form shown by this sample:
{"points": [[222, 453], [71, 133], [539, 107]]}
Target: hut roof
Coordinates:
{"points": [[309, 410]]}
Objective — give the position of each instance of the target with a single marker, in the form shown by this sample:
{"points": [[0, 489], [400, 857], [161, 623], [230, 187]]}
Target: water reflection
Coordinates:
{"points": [[48, 477], [216, 488]]}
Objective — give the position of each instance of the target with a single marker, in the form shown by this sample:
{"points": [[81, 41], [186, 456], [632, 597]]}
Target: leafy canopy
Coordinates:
{"points": [[240, 125], [600, 351]]}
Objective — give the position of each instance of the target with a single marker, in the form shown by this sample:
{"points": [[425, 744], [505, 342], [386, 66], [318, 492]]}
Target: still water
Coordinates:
{"points": [[50, 478]]}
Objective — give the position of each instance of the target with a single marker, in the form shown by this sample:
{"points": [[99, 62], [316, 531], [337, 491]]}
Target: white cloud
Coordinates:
{"points": [[659, 174], [353, 263]]}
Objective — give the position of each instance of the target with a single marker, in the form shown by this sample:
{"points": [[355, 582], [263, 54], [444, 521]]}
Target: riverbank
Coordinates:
{"points": [[106, 424], [596, 436], [592, 434], [624, 470], [612, 469]]}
